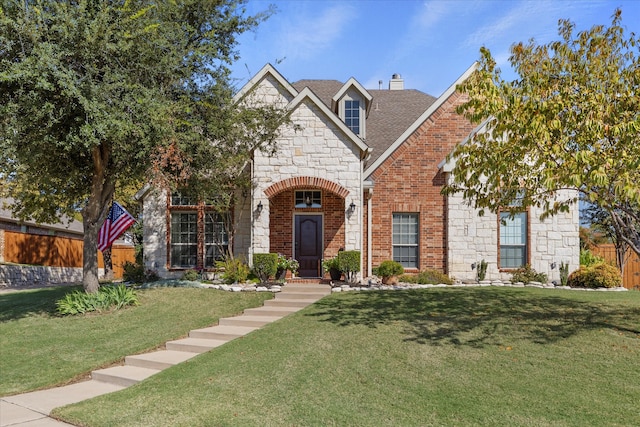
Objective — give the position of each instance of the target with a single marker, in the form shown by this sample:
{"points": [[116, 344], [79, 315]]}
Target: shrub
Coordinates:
{"points": [[427, 277], [190, 275], [135, 273], [527, 274], [482, 269], [265, 265], [235, 270], [107, 297], [564, 273], [330, 264], [389, 268], [588, 258], [600, 275], [349, 264]]}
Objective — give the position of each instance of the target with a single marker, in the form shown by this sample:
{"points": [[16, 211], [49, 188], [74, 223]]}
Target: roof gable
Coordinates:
{"points": [[307, 93], [418, 122], [351, 83], [267, 70]]}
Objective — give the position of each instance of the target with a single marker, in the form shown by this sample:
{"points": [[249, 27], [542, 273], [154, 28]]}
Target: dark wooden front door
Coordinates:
{"points": [[308, 238]]}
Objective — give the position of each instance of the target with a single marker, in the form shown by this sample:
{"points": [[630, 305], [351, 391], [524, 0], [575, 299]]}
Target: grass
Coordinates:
{"points": [[39, 348], [442, 357]]}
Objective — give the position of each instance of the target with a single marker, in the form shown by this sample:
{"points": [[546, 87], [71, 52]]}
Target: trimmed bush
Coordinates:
{"points": [[527, 274], [389, 268], [427, 277], [349, 264], [601, 275], [265, 266]]}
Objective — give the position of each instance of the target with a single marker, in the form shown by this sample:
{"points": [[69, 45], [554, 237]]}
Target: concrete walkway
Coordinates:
{"points": [[33, 409]]}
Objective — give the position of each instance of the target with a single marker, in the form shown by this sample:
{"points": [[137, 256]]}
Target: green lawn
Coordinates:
{"points": [[442, 357], [39, 349]]}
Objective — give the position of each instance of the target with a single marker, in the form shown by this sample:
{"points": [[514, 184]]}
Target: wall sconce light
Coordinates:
{"points": [[259, 207], [553, 265], [473, 266], [352, 206]]}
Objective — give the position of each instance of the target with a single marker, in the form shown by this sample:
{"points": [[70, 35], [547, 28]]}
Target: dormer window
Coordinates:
{"points": [[352, 115]]}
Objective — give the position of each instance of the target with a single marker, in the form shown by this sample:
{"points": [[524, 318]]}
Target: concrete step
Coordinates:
{"points": [[285, 302], [323, 289], [222, 332], [123, 375], [162, 359], [300, 295], [194, 345], [271, 311], [247, 320]]}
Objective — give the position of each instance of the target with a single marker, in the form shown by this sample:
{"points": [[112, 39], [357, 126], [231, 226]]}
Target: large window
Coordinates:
{"points": [[405, 239], [513, 240], [352, 115], [198, 235]]}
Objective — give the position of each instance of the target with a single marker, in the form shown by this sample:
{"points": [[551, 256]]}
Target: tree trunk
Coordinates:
{"points": [[93, 214], [90, 255]]}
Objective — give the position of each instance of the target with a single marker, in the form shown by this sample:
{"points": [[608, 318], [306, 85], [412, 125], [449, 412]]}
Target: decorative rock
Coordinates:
{"points": [[336, 289], [262, 289], [237, 288]]}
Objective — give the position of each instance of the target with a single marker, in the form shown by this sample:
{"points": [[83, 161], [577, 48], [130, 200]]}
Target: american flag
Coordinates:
{"points": [[116, 223]]}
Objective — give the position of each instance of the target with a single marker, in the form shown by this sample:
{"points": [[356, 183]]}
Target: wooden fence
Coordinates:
{"points": [[631, 274], [54, 251]]}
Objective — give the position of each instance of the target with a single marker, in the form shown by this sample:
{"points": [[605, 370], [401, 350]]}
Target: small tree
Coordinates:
{"points": [[349, 264], [570, 121]]}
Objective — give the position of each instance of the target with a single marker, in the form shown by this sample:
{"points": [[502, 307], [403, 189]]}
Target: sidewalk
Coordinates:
{"points": [[33, 409]]}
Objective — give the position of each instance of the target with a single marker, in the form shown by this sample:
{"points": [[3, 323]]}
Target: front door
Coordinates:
{"points": [[308, 241]]}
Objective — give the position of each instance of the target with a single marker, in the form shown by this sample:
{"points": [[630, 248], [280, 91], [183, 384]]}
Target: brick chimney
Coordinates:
{"points": [[396, 82]]}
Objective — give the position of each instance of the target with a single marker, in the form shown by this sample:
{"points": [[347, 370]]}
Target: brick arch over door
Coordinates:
{"points": [[306, 182]]}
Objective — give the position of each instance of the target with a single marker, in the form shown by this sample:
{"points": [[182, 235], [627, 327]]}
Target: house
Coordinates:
{"points": [[359, 169]]}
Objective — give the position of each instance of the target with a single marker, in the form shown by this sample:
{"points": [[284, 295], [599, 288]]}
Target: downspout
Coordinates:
{"points": [[253, 218], [368, 186]]}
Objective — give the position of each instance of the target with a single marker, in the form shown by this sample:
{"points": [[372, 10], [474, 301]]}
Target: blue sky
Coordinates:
{"points": [[430, 43]]}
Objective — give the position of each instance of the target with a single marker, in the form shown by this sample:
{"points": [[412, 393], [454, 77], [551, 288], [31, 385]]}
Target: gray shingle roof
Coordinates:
{"points": [[391, 113]]}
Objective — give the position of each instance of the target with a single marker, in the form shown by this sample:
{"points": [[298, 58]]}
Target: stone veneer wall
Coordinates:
{"points": [[473, 238], [155, 232], [314, 148], [23, 276]]}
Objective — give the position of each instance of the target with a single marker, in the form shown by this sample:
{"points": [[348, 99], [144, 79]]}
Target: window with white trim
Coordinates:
{"points": [[352, 115], [405, 239], [198, 236], [513, 240]]}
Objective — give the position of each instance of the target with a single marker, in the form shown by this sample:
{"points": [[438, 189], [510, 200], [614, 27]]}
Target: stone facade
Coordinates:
{"points": [[473, 238], [23, 276]]}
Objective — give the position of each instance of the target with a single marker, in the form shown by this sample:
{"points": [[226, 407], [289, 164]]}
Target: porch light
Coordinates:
{"points": [[259, 207], [352, 206]]}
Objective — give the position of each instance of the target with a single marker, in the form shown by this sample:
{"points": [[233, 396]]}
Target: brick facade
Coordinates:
{"points": [[410, 181]]}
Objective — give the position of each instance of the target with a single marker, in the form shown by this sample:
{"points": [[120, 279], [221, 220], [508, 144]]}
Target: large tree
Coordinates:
{"points": [[97, 95], [571, 120]]}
